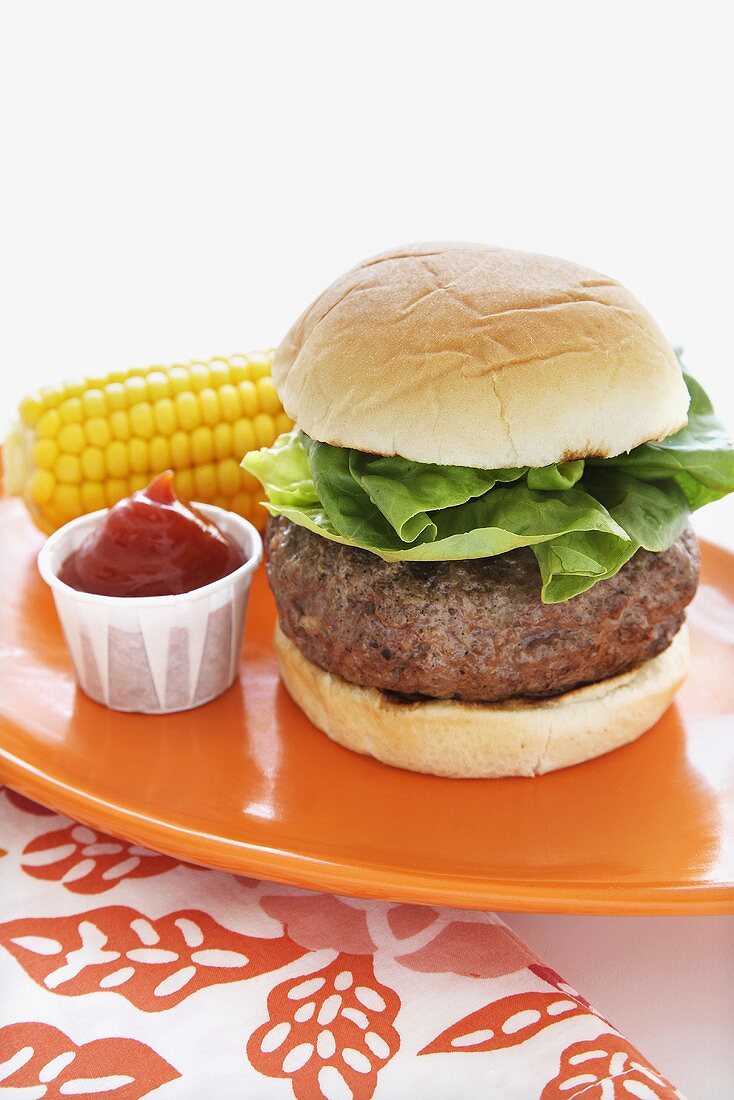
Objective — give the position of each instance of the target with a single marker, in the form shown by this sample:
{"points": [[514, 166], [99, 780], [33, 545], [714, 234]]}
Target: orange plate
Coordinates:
{"points": [[247, 784]]}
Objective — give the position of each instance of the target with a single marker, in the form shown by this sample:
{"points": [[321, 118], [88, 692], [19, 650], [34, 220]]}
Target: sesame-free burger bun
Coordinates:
{"points": [[486, 740], [467, 355]]}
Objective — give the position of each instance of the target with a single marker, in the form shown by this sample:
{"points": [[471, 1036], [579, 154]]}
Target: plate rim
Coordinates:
{"points": [[357, 880]]}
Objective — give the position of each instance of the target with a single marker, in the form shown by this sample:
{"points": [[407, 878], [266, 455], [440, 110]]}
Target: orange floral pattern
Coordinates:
{"points": [[44, 1061], [552, 978], [88, 862], [607, 1068], [154, 964], [319, 920], [470, 949], [329, 1030], [505, 1023], [344, 996]]}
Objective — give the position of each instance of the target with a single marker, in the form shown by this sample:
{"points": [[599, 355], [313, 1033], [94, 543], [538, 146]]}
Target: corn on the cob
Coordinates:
{"points": [[81, 446]]}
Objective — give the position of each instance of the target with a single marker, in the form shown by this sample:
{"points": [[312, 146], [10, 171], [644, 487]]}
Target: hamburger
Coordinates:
{"points": [[479, 540]]}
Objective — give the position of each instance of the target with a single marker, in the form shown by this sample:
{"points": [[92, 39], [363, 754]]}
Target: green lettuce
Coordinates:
{"points": [[699, 457], [583, 520]]}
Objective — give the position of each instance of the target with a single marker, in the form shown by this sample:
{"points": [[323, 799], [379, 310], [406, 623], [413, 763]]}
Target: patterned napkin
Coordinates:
{"points": [[125, 973]]}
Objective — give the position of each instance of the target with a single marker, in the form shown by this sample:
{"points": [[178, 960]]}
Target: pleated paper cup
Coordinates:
{"points": [[154, 654]]}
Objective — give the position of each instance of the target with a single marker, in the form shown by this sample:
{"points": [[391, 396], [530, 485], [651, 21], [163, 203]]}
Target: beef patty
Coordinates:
{"points": [[473, 630]]}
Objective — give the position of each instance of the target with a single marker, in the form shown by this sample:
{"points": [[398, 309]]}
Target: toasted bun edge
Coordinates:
{"points": [[486, 740]]}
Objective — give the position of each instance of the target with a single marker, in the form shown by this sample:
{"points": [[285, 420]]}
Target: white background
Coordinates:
{"points": [[178, 180]]}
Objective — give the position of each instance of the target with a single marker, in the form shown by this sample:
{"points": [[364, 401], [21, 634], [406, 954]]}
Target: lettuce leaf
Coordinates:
{"points": [[574, 562], [562, 476], [583, 520], [699, 457], [653, 513], [284, 472]]}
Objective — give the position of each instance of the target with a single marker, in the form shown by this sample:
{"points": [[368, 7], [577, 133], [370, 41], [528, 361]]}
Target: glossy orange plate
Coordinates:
{"points": [[247, 784]]}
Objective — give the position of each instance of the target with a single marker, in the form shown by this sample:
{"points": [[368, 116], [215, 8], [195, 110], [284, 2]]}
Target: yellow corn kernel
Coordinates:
{"points": [[92, 494], [73, 389], [202, 446], [219, 372], [205, 481], [136, 482], [137, 450], [248, 398], [178, 378], [180, 451], [164, 416], [159, 453], [222, 436], [187, 410], [114, 489], [94, 403], [259, 365], [229, 402], [68, 469], [141, 420], [199, 377], [41, 486], [157, 385], [48, 517], [240, 369], [116, 396], [243, 437], [184, 482], [31, 410], [135, 390], [71, 439], [228, 476], [92, 463], [45, 453], [264, 429], [49, 424], [67, 499], [99, 431], [52, 396], [119, 425], [209, 405], [116, 459], [269, 400], [71, 411], [283, 423]]}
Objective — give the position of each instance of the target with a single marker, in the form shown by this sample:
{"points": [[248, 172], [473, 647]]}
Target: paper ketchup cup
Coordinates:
{"points": [[154, 654]]}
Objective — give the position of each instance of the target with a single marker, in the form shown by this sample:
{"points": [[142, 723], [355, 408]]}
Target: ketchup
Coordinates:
{"points": [[151, 544]]}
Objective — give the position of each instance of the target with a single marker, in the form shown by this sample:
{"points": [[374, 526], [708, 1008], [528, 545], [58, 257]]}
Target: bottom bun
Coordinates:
{"points": [[486, 740]]}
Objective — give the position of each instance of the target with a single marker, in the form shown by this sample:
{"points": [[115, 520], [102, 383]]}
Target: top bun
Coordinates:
{"points": [[467, 355]]}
